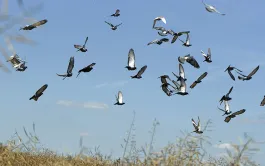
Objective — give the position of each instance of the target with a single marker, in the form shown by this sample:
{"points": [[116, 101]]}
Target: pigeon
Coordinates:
{"points": [[199, 80], [140, 72], [248, 77], [119, 99], [112, 26], [162, 31], [131, 60], [182, 89], [86, 69], [158, 41], [163, 79], [116, 14], [39, 93], [190, 59], [187, 42], [226, 97], [181, 73], [229, 69], [35, 25], [166, 90], [69, 69], [161, 18], [262, 103], [226, 110], [211, 8], [176, 35], [233, 115], [197, 127], [207, 56], [81, 48]]}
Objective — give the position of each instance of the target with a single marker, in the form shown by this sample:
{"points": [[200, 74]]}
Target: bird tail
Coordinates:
{"points": [[133, 76], [34, 98]]}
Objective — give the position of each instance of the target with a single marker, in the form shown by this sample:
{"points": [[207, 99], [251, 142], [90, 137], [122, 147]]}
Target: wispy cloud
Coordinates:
{"points": [[113, 84], [224, 146], [85, 105]]}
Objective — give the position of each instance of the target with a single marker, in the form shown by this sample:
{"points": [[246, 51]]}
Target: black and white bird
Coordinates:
{"points": [[176, 35], [208, 56], [187, 42], [183, 88], [181, 73], [81, 48], [69, 69], [119, 99], [161, 18], [131, 60], [262, 103], [116, 14], [233, 115], [226, 109], [140, 72], [113, 27], [197, 127], [35, 25], [248, 77], [158, 41], [199, 80], [211, 8], [226, 97], [86, 69], [39, 93], [229, 69], [190, 59]]}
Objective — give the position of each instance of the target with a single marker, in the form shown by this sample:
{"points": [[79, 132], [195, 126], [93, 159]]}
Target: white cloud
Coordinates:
{"points": [[113, 84], [224, 146], [85, 105]]}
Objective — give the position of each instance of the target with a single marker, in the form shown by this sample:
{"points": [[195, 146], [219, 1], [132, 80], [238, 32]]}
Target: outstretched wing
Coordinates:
{"points": [[77, 46], [262, 103], [71, 65], [194, 123], [85, 41], [164, 40], [221, 109], [39, 23], [193, 85], [109, 24], [160, 28], [152, 42], [142, 70], [181, 71], [118, 25], [92, 64], [42, 89], [231, 75], [191, 60], [254, 71], [131, 58], [229, 91], [175, 37], [202, 76], [209, 53], [239, 112], [203, 54], [120, 97], [227, 119]]}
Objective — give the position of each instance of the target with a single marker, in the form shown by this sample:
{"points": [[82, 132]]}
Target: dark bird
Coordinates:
{"points": [[140, 72], [233, 115], [86, 69], [39, 93], [116, 14], [158, 41], [165, 88], [262, 103], [226, 109], [199, 80], [81, 48], [131, 60], [208, 56], [112, 26], [187, 42], [182, 89], [181, 73], [229, 69], [190, 59], [163, 79], [197, 127], [35, 25], [226, 97], [248, 77], [119, 99], [176, 35], [69, 69]]}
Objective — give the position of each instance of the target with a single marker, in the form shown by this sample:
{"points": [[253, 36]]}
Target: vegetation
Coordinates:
{"points": [[188, 150]]}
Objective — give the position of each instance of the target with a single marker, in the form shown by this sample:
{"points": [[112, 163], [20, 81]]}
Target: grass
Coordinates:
{"points": [[188, 150]]}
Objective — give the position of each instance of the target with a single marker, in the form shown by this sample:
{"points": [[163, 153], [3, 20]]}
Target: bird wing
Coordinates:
{"points": [[241, 74], [191, 60], [194, 123], [183, 32], [182, 85], [62, 75], [117, 12], [163, 19], [118, 25], [163, 80], [164, 40], [160, 28], [131, 58], [203, 54], [141, 71], [42, 89], [92, 64], [171, 32], [202, 76], [71, 65], [176, 84], [262, 103], [188, 39], [193, 85], [231, 75], [239, 112], [230, 90], [238, 69], [109, 24], [175, 75], [199, 123], [152, 42], [77, 46], [120, 97], [175, 37], [228, 118], [254, 71], [227, 108], [165, 89], [181, 59], [181, 71], [85, 41], [39, 23], [209, 53], [221, 109]]}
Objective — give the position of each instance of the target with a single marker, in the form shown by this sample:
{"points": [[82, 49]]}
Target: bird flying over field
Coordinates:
{"points": [[229, 69], [161, 18], [119, 99], [233, 115], [131, 60], [35, 25], [86, 69], [208, 56], [199, 80], [81, 48], [190, 59], [158, 41], [39, 93], [197, 127], [248, 77], [113, 27], [140, 72], [69, 69], [226, 97]]}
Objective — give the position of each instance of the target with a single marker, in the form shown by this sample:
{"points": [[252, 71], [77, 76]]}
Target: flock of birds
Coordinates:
{"points": [[177, 86]]}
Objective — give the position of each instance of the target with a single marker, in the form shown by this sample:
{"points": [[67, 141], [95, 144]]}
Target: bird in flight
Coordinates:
{"points": [[199, 80], [233, 115], [131, 60], [140, 72], [86, 69], [113, 27], [226, 97], [81, 48], [229, 69], [208, 56], [119, 99], [211, 8], [248, 77], [116, 14], [197, 127], [39, 93], [69, 69], [161, 18], [35, 25]]}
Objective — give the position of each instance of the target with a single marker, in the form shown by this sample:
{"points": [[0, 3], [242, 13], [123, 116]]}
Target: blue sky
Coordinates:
{"points": [[234, 39]]}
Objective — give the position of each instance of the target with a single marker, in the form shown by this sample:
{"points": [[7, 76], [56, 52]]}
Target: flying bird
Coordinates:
{"points": [[197, 127], [187, 42], [262, 103], [35, 25], [181, 73], [113, 27], [81, 48], [140, 72], [176, 35], [248, 77], [199, 80], [226, 97], [131, 60], [161, 18], [233, 115], [163, 79], [182, 89], [208, 56], [158, 41], [39, 93], [162, 31], [190, 59], [211, 8], [119, 99], [226, 109], [166, 89], [69, 69], [116, 14], [86, 69], [229, 69]]}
